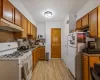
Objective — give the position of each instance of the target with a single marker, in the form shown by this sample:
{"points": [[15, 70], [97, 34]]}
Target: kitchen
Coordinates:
{"points": [[39, 41]]}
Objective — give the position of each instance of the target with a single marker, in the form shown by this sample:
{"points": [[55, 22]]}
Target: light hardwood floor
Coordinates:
{"points": [[55, 69]]}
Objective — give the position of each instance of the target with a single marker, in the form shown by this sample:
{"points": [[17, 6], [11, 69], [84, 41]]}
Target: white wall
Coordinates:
{"points": [[65, 32], [18, 4], [72, 22], [50, 25], [41, 29], [90, 5]]}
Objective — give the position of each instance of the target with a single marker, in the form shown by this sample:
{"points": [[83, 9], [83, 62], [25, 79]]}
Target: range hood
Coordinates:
{"points": [[6, 25]]}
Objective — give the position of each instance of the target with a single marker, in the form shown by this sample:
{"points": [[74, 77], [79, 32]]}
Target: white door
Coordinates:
{"points": [[71, 59]]}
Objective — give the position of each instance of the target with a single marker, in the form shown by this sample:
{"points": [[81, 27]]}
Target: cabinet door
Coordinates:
{"points": [[8, 11], [93, 27], [99, 21], [0, 8], [18, 19], [79, 24], [38, 50], [24, 26], [93, 60], [85, 21], [42, 53], [35, 33], [85, 68], [29, 28]]}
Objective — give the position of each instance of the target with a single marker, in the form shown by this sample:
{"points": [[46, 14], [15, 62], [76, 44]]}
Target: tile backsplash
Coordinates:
{"points": [[6, 36]]}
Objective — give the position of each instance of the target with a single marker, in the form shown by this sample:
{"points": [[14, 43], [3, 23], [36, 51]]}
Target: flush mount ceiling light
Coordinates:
{"points": [[48, 14]]}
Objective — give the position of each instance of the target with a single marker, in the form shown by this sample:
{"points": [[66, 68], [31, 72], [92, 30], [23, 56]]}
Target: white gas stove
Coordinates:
{"points": [[17, 63]]}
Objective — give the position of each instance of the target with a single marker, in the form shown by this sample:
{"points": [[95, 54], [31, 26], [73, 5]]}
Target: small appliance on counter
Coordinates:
{"points": [[91, 44], [91, 48]]}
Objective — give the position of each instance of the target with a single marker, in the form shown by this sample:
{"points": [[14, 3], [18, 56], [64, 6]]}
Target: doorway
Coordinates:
{"points": [[56, 43]]}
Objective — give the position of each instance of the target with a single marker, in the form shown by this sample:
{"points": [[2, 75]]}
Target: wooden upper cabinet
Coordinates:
{"points": [[85, 21], [0, 8], [79, 24], [24, 26], [8, 11], [35, 32], [29, 28], [18, 18], [93, 23]]}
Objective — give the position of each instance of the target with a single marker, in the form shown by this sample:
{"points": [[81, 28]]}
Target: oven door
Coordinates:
{"points": [[21, 72], [26, 70], [30, 63]]}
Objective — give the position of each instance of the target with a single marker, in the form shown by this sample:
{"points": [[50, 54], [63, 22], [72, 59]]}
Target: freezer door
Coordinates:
{"points": [[71, 59], [72, 39]]}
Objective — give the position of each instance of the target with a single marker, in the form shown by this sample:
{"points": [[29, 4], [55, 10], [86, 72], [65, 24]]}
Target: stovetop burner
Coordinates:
{"points": [[15, 54]]}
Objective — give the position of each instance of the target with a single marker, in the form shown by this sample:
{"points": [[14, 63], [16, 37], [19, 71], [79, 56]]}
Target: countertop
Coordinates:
{"points": [[91, 54], [36, 46]]}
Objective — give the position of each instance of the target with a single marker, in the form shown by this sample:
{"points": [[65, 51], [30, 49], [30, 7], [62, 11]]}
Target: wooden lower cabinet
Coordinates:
{"points": [[85, 68], [88, 61], [38, 54], [35, 57], [42, 53]]}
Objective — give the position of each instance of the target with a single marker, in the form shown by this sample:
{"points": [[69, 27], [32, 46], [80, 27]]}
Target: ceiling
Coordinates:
{"points": [[60, 8]]}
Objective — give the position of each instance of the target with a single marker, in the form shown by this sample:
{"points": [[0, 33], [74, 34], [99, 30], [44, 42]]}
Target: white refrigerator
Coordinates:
{"points": [[75, 44]]}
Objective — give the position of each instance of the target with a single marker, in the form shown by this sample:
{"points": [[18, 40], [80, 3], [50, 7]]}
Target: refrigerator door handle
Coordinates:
{"points": [[67, 50]]}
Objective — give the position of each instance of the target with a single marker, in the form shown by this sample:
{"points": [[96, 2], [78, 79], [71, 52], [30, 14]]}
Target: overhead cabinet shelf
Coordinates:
{"points": [[5, 25]]}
